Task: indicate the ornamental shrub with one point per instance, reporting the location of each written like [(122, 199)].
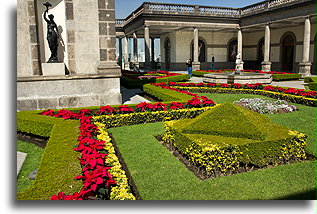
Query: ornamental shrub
[(228, 137)]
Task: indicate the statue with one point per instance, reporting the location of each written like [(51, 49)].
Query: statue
[(238, 62), (52, 34)]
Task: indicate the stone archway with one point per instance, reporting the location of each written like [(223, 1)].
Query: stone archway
[(232, 50), (201, 50), (287, 53), (260, 53), (167, 48)]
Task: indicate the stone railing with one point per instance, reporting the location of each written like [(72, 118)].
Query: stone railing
[(261, 6), (219, 11), (191, 9), (120, 22), (182, 9), (170, 8), (275, 3)]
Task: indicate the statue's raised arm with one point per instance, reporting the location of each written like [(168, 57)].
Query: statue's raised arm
[(44, 15)]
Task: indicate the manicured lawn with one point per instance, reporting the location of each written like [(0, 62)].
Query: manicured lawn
[(303, 120), (158, 175), (31, 163)]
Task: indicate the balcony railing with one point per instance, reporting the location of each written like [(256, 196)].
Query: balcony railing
[(182, 9)]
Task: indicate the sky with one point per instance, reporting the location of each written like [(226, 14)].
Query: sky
[(126, 7)]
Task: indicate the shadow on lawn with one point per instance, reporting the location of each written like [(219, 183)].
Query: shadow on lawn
[(309, 195)]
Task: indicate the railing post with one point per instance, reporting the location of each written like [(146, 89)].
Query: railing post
[(146, 7), (267, 5), (196, 9)]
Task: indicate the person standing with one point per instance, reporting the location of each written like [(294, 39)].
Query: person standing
[(212, 62), (189, 67)]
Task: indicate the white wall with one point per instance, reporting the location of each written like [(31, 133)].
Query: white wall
[(185, 38), (24, 61), (181, 41), (86, 28), (58, 10)]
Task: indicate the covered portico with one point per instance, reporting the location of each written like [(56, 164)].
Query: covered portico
[(261, 34)]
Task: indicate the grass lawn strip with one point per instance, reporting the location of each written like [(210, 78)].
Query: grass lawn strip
[(160, 176), (31, 163)]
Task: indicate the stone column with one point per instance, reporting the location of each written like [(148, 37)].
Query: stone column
[(120, 53), (135, 50), (196, 63), (305, 65), (107, 39), (266, 64), (147, 46), (126, 54), (152, 53), (239, 61)]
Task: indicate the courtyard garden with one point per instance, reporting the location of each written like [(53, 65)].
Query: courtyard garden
[(195, 141), (277, 76)]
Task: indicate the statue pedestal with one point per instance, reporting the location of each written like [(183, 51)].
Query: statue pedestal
[(304, 69), (196, 66), (266, 66), (53, 69)]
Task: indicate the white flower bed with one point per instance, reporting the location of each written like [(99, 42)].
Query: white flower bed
[(266, 106)]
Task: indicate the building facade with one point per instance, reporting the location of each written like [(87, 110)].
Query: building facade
[(277, 35), (86, 73)]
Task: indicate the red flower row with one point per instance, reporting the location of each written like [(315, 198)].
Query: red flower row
[(293, 91), (196, 101), (95, 173), (259, 86)]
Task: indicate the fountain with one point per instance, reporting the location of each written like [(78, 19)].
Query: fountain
[(238, 76)]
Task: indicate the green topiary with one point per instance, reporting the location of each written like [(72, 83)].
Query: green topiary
[(231, 121), (228, 136)]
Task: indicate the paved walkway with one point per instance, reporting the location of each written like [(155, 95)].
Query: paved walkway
[(130, 96), (20, 160)]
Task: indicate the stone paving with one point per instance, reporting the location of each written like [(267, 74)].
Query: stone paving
[(20, 160)]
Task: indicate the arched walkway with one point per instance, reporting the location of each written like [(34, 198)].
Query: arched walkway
[(288, 45)]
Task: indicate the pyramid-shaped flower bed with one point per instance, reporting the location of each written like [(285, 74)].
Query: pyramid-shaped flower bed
[(229, 138)]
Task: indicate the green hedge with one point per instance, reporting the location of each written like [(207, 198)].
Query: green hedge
[(281, 77), (310, 79), (312, 86), (166, 95), (59, 163), (119, 120), (200, 73), (218, 152), (138, 83)]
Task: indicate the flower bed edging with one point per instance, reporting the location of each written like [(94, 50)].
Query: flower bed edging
[(97, 178)]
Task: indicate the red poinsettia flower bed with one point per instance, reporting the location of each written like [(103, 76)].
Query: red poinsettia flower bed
[(95, 174), (204, 101)]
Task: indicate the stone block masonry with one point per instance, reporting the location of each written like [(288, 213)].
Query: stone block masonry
[(67, 91)]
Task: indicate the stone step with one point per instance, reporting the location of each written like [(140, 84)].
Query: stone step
[(21, 156)]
